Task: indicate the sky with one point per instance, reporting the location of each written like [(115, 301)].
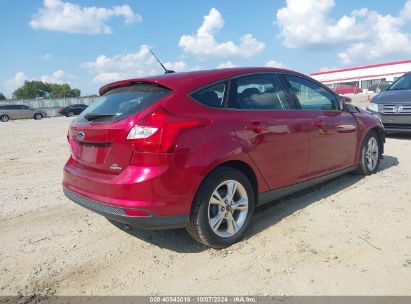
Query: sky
[(88, 43)]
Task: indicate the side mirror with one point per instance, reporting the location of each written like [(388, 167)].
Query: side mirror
[(347, 105)]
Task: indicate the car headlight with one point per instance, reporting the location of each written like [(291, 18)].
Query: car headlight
[(373, 107)]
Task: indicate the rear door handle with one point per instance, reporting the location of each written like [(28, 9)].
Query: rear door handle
[(319, 123), (255, 126)]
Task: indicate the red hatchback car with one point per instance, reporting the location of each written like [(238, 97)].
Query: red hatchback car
[(202, 149)]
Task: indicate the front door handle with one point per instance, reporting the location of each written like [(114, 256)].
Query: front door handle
[(346, 128)]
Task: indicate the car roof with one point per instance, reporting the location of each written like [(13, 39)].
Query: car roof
[(188, 81)]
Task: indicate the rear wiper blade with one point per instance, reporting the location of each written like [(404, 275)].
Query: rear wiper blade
[(91, 117)]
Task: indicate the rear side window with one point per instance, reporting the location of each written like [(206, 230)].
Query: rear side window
[(123, 102), (260, 92), (310, 95), (212, 97)]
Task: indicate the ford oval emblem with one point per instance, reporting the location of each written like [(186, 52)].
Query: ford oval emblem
[(81, 135)]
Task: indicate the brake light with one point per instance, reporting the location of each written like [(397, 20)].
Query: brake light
[(158, 131)]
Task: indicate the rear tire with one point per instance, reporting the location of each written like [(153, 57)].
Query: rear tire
[(38, 116), (222, 208), (370, 154), (70, 114), (4, 118)]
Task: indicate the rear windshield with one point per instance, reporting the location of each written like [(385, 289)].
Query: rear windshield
[(123, 102)]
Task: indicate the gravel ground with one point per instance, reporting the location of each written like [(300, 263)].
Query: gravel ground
[(351, 236)]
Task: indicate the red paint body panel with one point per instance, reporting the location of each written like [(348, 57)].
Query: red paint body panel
[(333, 142), (280, 147)]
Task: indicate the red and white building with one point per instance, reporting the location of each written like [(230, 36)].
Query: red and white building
[(364, 76)]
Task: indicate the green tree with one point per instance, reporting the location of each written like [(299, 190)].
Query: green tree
[(2, 97), (31, 89), (63, 90), (39, 89)]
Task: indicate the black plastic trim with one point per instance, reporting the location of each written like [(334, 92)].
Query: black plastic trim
[(116, 214), (269, 196)]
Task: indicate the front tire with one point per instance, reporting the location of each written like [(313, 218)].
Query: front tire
[(370, 154), (222, 208), (4, 118)]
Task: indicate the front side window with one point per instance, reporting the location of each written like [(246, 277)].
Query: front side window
[(310, 95), (259, 92), (213, 96)]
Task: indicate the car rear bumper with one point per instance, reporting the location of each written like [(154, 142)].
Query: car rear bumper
[(118, 214), (163, 191)]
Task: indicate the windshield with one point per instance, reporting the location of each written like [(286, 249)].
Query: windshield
[(403, 83), (123, 102)]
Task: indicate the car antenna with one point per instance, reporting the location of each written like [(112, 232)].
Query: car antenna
[(166, 71)]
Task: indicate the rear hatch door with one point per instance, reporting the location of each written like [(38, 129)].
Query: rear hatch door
[(98, 136)]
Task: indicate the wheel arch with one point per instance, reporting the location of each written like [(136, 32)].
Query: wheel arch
[(381, 136), (245, 168)]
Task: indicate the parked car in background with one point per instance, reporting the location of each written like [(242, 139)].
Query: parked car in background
[(393, 105), (16, 111), (72, 110), (347, 89), (202, 149), (379, 87)]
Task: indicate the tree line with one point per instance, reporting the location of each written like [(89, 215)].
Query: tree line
[(38, 89)]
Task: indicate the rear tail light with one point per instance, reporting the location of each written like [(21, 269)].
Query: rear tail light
[(158, 131)]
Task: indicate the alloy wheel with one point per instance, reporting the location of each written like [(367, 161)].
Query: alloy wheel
[(228, 208), (372, 154)]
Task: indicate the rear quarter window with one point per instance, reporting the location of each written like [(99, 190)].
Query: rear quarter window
[(213, 96), (123, 102)]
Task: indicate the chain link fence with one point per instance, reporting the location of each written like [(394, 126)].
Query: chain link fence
[(51, 106)]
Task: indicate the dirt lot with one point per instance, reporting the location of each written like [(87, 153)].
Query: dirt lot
[(351, 236)]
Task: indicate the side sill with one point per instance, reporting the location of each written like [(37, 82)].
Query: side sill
[(269, 196)]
